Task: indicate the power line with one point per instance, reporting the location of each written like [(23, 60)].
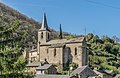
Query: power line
[(94, 2)]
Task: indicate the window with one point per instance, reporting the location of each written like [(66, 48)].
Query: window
[(75, 51), (41, 35), (47, 51), (54, 52), (48, 35)]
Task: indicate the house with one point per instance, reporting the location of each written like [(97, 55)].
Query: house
[(46, 69), (32, 55), (83, 72)]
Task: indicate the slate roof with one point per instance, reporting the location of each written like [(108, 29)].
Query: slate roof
[(46, 66), (65, 41), (81, 69), (51, 76), (103, 72), (57, 45), (34, 64), (44, 23)]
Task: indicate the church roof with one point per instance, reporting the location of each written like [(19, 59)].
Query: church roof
[(44, 23), (57, 45), (65, 41)]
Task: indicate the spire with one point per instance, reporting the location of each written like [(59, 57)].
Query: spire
[(61, 35), (44, 23)]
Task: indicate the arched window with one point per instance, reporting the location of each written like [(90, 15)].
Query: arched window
[(41, 35), (54, 52), (47, 51), (75, 51)]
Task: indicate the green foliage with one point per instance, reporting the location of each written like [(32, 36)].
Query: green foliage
[(74, 65), (104, 52), (17, 75), (11, 42), (26, 24), (64, 72), (108, 67)]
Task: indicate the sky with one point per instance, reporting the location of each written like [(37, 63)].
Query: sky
[(100, 17)]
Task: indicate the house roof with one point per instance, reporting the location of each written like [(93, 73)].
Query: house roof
[(35, 64), (78, 70), (51, 76), (103, 72), (81, 69), (46, 66)]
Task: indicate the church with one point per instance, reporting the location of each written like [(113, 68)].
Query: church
[(59, 52)]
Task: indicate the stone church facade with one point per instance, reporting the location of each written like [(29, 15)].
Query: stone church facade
[(59, 51)]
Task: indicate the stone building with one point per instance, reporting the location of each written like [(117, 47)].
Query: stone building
[(81, 72), (31, 67), (41, 68), (59, 52), (46, 69)]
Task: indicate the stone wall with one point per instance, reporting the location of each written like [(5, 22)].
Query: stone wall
[(32, 56), (72, 52), (78, 53), (67, 57), (52, 55), (44, 36)]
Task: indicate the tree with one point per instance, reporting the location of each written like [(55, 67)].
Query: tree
[(116, 39), (104, 53), (74, 65), (107, 39), (61, 35), (11, 60)]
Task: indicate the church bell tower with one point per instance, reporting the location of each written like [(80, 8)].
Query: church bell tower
[(44, 33)]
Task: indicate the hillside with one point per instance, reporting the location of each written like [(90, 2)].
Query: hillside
[(104, 52), (26, 24)]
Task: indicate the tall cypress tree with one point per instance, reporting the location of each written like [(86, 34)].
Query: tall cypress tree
[(11, 58), (61, 35)]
